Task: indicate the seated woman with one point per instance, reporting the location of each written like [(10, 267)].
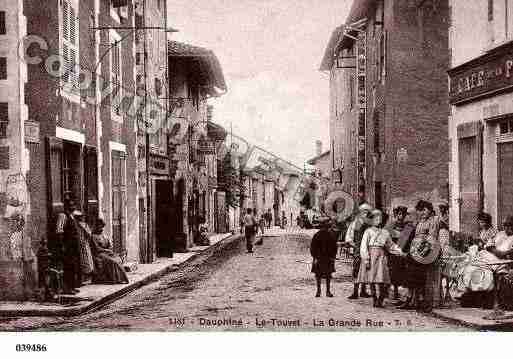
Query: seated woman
[(474, 274), (108, 270)]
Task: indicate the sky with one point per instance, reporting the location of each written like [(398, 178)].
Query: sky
[(270, 52)]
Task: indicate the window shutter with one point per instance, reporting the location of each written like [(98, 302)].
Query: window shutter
[(72, 26), (72, 68), (66, 68), (65, 20), (91, 182), (385, 44), (54, 174)]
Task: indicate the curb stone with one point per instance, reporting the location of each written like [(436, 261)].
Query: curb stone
[(112, 297)]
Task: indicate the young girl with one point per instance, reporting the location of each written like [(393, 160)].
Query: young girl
[(376, 242)]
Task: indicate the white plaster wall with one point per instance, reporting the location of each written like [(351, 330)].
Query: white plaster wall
[(478, 111)]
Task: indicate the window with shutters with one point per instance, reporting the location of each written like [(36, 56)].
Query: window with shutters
[(119, 10), (116, 76), (4, 119), (69, 49), (3, 29), (3, 68)]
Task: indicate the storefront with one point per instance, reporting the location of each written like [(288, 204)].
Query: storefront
[(481, 134)]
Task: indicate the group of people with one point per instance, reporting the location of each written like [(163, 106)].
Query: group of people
[(84, 255), (382, 255)]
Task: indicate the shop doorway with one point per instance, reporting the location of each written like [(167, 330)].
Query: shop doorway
[(505, 166), (164, 224)]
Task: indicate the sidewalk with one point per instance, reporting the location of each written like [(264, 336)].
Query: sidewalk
[(473, 318), (95, 295)]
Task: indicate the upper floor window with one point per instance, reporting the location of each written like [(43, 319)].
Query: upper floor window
[(3, 29), (3, 68), (119, 10), (4, 119), (69, 35), (500, 15)]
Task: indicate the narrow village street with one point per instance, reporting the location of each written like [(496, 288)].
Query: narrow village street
[(236, 290)]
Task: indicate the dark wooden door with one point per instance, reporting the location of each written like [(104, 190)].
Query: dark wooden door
[(505, 195), (163, 217)]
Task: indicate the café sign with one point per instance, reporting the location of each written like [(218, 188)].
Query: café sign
[(484, 76)]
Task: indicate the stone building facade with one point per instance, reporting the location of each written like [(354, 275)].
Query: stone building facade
[(392, 56), (480, 125)]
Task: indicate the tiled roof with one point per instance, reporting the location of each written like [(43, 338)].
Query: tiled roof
[(208, 62), (359, 10)]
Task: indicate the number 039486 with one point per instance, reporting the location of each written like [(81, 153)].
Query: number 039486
[(31, 347)]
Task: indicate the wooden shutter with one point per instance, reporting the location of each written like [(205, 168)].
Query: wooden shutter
[(470, 167), (54, 158), (118, 202), (70, 48), (91, 183)]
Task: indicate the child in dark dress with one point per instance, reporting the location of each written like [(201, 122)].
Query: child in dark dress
[(323, 250)]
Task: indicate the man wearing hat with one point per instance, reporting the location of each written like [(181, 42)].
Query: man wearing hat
[(353, 238), (68, 236)]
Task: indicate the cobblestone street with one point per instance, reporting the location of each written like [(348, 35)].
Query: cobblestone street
[(271, 289)]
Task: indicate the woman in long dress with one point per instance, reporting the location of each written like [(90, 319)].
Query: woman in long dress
[(424, 280), (374, 269), (397, 264), (108, 270), (86, 257)]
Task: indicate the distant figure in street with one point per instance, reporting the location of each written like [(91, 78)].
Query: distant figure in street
[(249, 229), (283, 220), (261, 224), (353, 239), (323, 250), (269, 218)]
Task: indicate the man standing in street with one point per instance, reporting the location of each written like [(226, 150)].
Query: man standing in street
[(68, 236), (269, 218), (249, 229)]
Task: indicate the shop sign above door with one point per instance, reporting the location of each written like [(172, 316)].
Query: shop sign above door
[(483, 76)]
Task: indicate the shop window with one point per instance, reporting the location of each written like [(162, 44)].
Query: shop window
[(3, 68), (3, 29), (4, 119)]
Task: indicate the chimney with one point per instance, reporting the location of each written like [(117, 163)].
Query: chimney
[(210, 113), (318, 148)]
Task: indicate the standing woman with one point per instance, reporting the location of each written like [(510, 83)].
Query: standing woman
[(324, 251), (397, 264), (429, 274)]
